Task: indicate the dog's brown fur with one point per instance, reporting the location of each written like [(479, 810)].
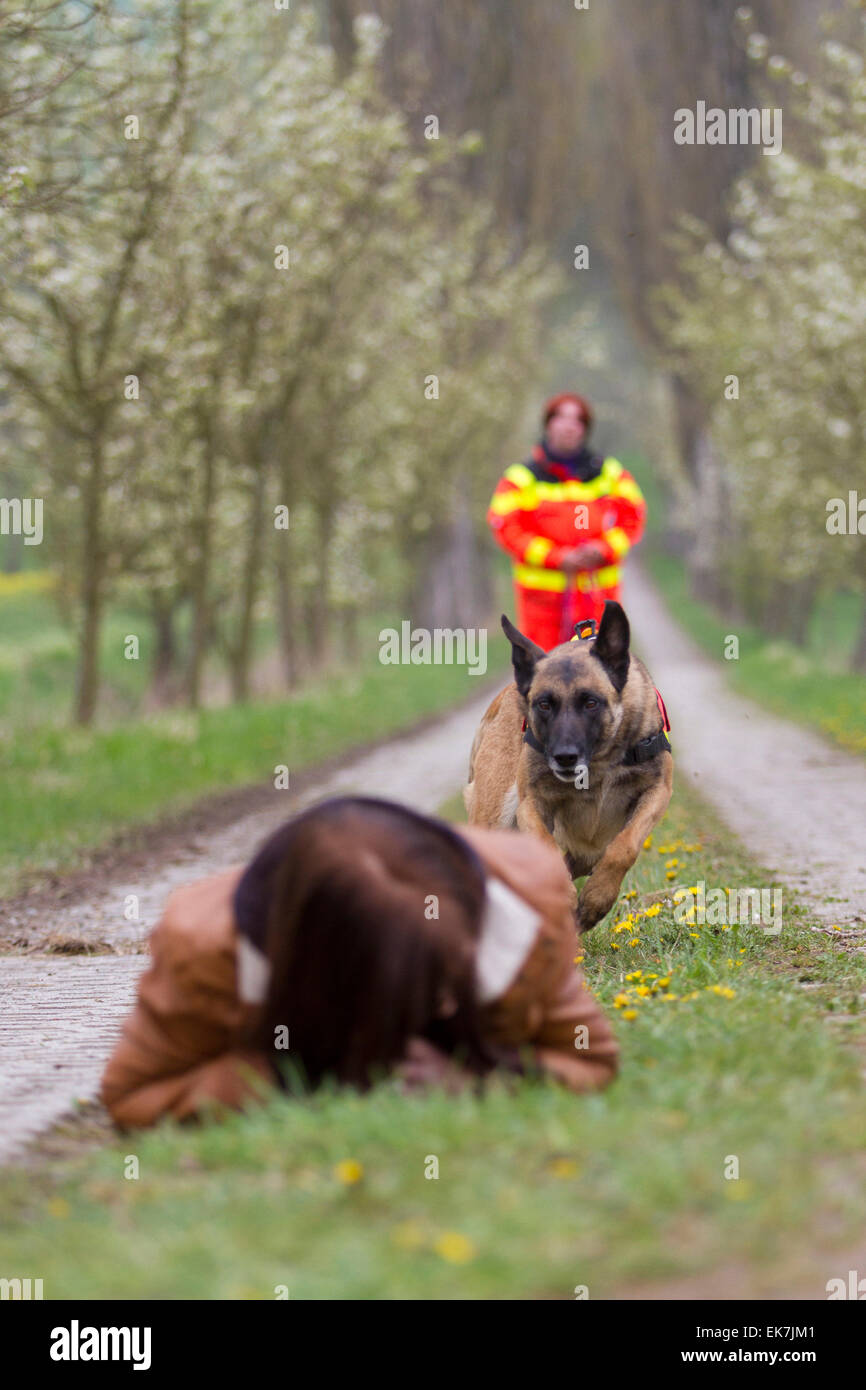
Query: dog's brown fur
[(600, 827)]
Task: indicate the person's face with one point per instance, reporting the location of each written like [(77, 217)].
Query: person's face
[(566, 428)]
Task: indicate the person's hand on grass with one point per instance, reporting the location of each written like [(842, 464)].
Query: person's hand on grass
[(425, 1066)]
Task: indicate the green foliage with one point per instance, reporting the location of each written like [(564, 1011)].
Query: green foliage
[(780, 305), (243, 307)]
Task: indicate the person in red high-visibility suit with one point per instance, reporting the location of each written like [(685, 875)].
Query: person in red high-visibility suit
[(567, 517)]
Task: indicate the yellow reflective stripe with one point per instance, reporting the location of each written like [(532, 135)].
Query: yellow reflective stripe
[(573, 490), (504, 502), (538, 550), (529, 491), (605, 578), (520, 475), (531, 578), (628, 488), (617, 540)]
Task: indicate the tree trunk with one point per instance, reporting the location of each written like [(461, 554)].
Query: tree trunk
[(800, 603), (787, 610), (165, 649), (713, 537), (320, 605), (350, 635), (201, 573), (286, 593), (858, 656), (92, 591), (12, 547), (342, 36), (241, 655)]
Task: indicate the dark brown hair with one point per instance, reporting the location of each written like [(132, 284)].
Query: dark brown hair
[(372, 914)]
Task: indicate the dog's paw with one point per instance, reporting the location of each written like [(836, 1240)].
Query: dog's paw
[(594, 903)]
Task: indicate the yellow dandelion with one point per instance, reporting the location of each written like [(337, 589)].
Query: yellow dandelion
[(696, 935), (629, 1013), (564, 1168), (454, 1248), (648, 842), (672, 864), (663, 984), (578, 960), (642, 990), (738, 1191), (349, 1171), (620, 1001), (653, 911), (632, 893), (407, 1236)]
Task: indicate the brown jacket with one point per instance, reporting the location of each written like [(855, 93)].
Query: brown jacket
[(179, 1052)]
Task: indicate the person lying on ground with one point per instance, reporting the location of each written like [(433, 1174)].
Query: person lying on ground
[(363, 941)]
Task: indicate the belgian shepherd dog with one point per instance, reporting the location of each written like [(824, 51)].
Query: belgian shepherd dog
[(576, 751)]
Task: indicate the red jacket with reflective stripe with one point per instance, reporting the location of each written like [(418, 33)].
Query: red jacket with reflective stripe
[(535, 516)]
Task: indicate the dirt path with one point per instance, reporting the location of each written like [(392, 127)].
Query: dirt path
[(797, 803), (60, 1014)]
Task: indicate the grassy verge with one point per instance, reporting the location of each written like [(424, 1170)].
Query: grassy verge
[(751, 1051), (808, 684), (67, 790)]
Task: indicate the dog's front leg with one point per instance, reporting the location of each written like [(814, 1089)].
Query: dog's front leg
[(529, 820), (600, 891)]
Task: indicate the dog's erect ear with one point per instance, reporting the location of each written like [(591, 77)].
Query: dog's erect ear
[(524, 656), (611, 644)]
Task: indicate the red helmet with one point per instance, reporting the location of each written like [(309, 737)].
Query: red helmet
[(551, 407)]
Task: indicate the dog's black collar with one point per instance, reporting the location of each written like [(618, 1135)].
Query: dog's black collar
[(640, 752), (529, 737), (646, 748)]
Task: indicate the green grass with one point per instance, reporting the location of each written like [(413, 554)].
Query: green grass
[(545, 1190), (66, 790), (38, 663), (809, 685)]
